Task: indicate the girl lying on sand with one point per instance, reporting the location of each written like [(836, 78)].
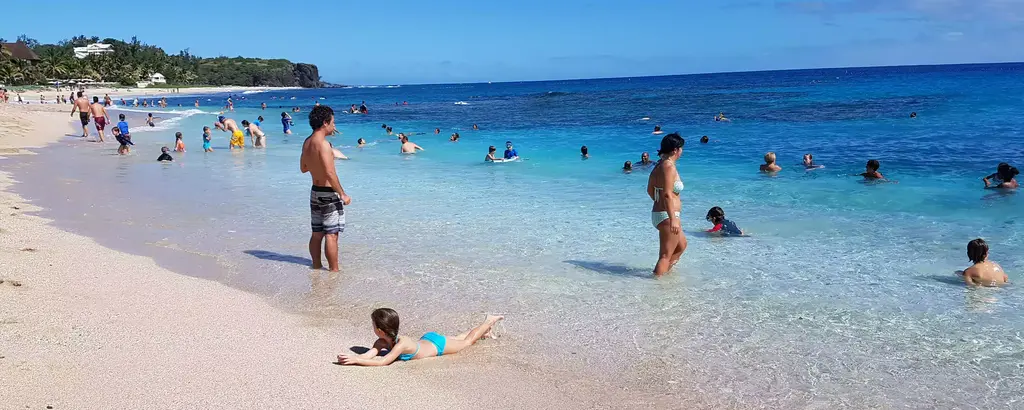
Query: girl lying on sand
[(385, 326)]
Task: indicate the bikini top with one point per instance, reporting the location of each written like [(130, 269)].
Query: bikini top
[(407, 356), (677, 187)]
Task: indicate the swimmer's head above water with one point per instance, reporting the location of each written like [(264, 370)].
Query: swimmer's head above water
[(645, 157), (977, 250), (808, 160), (704, 139), (628, 166)]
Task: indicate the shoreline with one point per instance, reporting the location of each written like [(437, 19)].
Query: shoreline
[(32, 97), (95, 323)]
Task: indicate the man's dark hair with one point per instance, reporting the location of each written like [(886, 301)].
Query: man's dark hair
[(319, 117), (95, 99), (121, 117), (80, 94)]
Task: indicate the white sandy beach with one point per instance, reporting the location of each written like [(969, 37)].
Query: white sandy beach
[(50, 95), (86, 327)]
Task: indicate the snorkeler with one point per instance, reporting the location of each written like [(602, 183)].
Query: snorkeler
[(983, 272), (385, 327), (769, 165), (663, 187)]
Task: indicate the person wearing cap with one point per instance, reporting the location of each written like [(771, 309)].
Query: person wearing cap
[(510, 153), (229, 125)]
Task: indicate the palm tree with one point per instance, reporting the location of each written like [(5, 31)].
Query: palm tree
[(54, 62), (10, 73)]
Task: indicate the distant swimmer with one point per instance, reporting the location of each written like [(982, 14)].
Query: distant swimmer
[(437, 131), (663, 187), (286, 123), (197, 103), (363, 109), (263, 105), (1003, 178), (983, 272), (383, 126), (913, 115), (327, 199), (164, 155), (401, 348), (627, 167), (409, 147), (388, 130), (645, 160), (769, 165), (809, 162), (256, 136), (361, 143), (721, 117), (871, 171), (99, 116), (229, 125), (704, 139), (475, 128), (296, 109), (454, 137), (657, 130), (510, 152), (353, 110), (722, 226), (584, 152)]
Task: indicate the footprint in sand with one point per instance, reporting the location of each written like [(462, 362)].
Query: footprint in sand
[(29, 250)]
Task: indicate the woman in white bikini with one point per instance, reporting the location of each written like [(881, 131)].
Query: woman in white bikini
[(664, 186)]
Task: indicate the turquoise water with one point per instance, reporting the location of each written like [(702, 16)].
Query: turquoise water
[(843, 295)]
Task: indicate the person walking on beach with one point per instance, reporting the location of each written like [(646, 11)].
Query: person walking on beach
[(99, 116), (82, 106), (664, 186), (327, 199)]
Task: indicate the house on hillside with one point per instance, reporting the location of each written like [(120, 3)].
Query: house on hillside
[(157, 79), (20, 51), (93, 49)]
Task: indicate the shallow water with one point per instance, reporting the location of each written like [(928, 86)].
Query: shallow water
[(843, 295)]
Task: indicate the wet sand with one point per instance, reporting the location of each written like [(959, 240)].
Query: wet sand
[(86, 327)]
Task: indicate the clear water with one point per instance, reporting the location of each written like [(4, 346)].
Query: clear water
[(843, 295)]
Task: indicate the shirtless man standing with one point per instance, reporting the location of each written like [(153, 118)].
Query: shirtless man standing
[(327, 199), (409, 147), (99, 116), (82, 106)]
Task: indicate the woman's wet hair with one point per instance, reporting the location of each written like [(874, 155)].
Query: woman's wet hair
[(386, 319), (873, 164), (769, 158), (977, 250), (670, 143), (715, 214)]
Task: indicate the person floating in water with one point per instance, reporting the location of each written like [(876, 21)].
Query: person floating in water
[(164, 156), (769, 165), (722, 226), (510, 152), (263, 105), (657, 130), (913, 115), (627, 167), (399, 348), (207, 139), (1003, 178), (361, 142), (454, 138), (584, 152), (809, 162), (663, 187), (179, 145), (721, 117), (437, 131), (871, 171), (704, 139), (475, 128), (645, 160), (983, 272), (409, 147)]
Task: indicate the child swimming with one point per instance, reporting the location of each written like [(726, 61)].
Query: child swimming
[(983, 272), (179, 145), (723, 226), (385, 327), (809, 162)]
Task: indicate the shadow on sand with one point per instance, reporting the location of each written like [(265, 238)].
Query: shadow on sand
[(278, 257), (611, 269)]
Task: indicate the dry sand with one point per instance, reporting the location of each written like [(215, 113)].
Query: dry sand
[(87, 327)]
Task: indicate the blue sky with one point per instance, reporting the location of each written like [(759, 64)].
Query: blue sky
[(441, 41)]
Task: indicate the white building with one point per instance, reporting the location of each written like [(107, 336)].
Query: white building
[(93, 49), (157, 79)]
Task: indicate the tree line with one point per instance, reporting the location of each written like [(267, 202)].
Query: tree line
[(134, 61)]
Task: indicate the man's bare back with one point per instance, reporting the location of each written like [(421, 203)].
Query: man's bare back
[(82, 104), (98, 111)]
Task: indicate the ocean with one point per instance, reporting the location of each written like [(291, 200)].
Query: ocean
[(844, 293)]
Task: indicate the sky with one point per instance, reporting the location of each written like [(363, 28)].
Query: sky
[(447, 41)]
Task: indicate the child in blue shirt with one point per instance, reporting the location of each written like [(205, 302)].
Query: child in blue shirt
[(723, 226)]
